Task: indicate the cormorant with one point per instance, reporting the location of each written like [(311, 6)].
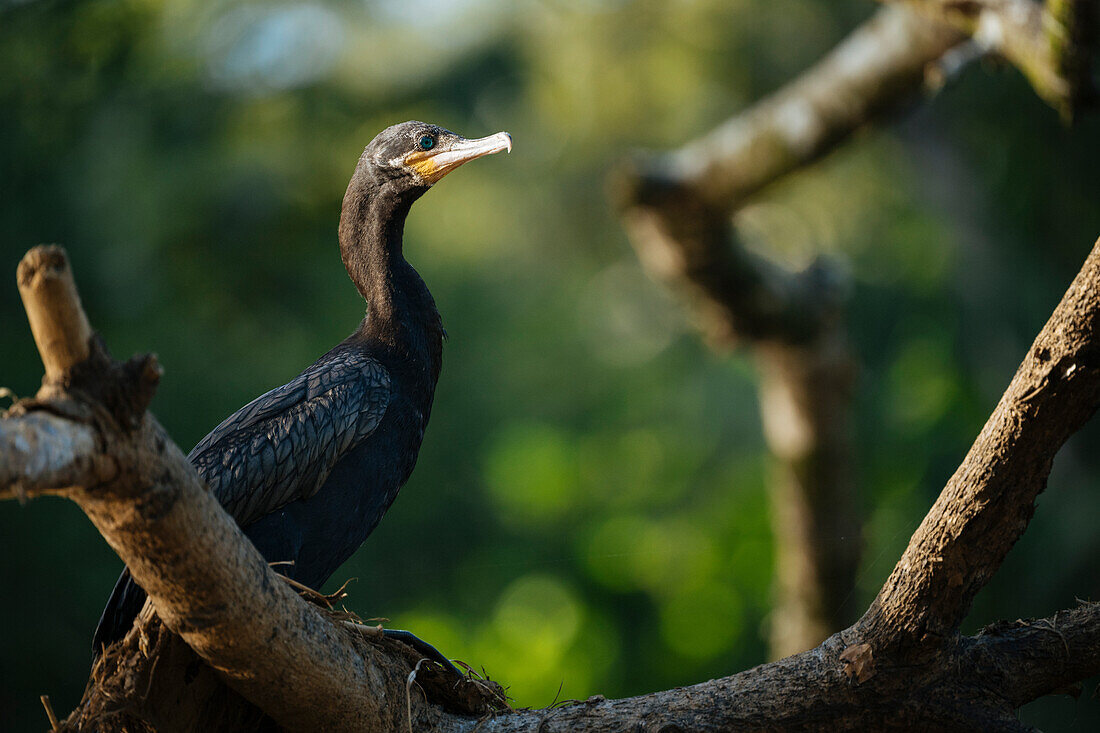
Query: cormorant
[(308, 469)]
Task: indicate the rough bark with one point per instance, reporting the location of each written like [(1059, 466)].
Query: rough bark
[(903, 666), (974, 687), (153, 681), (988, 502)]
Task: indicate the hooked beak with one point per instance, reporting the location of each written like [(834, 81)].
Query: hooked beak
[(431, 165)]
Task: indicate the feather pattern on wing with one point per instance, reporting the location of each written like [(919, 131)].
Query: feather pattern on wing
[(281, 446)]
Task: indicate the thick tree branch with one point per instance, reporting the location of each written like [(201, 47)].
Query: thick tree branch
[(903, 665), (975, 686), (210, 585), (1025, 660), (205, 579), (988, 503), (1050, 43)]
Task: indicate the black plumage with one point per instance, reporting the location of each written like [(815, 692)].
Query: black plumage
[(308, 469)]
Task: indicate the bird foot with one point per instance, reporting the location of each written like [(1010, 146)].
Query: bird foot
[(422, 647)]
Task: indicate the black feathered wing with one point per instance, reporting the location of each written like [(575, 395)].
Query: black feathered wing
[(278, 448), (281, 446)]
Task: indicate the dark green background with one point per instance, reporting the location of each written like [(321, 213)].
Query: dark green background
[(589, 508)]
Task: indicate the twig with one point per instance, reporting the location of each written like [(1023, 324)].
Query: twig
[(55, 724), (408, 691), (372, 631)]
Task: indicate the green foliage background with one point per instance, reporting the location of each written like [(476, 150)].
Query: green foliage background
[(589, 510)]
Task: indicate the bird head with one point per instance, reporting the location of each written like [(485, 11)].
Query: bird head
[(418, 154)]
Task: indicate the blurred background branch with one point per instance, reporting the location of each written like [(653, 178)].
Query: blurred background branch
[(676, 209), (877, 67), (1050, 42)]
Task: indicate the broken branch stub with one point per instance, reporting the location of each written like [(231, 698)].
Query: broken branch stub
[(60, 328)]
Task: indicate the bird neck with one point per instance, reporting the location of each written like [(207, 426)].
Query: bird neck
[(400, 310)]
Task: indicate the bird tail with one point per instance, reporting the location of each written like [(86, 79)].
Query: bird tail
[(122, 608)]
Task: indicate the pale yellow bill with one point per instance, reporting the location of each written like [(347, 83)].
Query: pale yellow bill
[(431, 165)]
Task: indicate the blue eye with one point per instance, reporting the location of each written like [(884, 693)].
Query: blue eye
[(427, 142)]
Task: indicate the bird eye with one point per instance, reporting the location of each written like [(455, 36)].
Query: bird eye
[(427, 142)]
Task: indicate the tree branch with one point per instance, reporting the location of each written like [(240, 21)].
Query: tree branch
[(1050, 43), (988, 503), (1025, 660), (676, 208), (879, 66), (902, 665), (205, 579)]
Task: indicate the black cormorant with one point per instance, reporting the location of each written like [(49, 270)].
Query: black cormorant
[(308, 469)]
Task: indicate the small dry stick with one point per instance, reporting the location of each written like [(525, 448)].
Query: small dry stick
[(408, 692), (55, 725), (372, 631)]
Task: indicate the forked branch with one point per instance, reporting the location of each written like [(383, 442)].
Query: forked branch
[(676, 208)]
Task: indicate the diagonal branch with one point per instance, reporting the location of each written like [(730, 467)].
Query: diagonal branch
[(988, 503), (89, 439), (902, 666), (878, 67)]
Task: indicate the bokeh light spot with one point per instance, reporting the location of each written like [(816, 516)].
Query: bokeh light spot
[(532, 473)]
